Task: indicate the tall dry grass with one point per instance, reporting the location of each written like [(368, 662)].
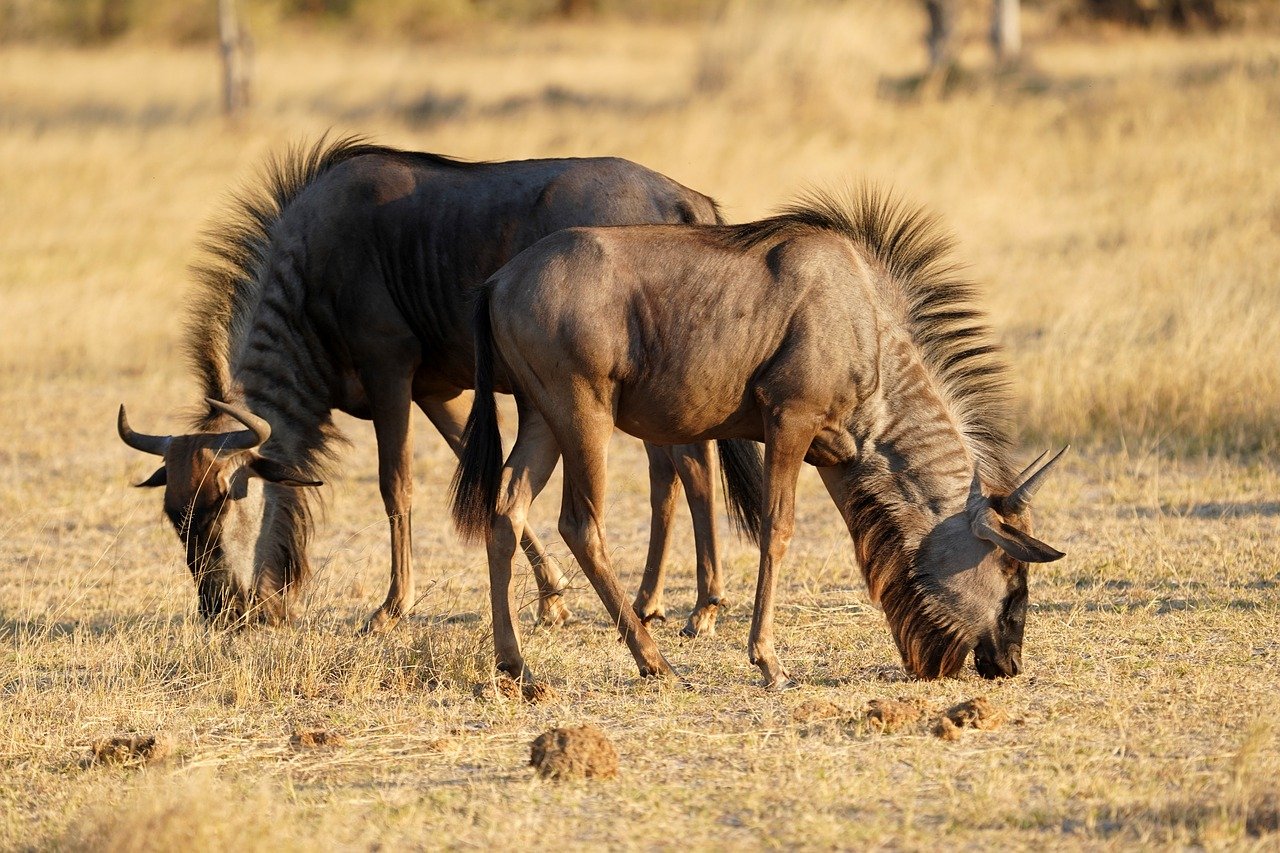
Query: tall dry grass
[(1115, 199)]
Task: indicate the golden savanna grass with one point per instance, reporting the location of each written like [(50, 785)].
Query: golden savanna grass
[(1117, 199)]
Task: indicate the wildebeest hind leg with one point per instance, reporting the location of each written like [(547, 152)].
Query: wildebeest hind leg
[(523, 477), (449, 416), (584, 444)]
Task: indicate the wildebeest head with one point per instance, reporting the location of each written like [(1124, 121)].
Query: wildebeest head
[(972, 572), (213, 497)]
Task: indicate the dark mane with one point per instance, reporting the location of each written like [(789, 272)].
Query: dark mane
[(942, 316), (228, 286), (233, 251), (950, 333), (929, 645)]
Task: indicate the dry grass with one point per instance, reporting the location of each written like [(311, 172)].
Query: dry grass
[(1118, 200)]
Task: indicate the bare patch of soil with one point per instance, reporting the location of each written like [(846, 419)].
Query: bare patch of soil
[(583, 752)]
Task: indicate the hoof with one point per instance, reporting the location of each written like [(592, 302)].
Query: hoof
[(663, 672), (553, 612), (655, 616), (702, 623), (516, 671), (781, 685), (381, 621)]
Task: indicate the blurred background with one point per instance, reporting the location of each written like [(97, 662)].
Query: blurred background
[(1108, 166)]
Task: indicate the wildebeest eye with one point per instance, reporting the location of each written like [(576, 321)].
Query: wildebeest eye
[(1014, 612)]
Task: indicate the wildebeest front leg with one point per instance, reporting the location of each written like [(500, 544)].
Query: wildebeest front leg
[(449, 416), (664, 488), (696, 466), (783, 455), (523, 477), (389, 397), (582, 526), (669, 467)]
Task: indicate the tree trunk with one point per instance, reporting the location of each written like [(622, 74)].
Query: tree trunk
[(236, 49), (941, 36), (1006, 30)]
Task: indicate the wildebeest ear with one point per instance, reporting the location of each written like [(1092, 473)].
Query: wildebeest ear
[(279, 473), (159, 478), (1019, 545)]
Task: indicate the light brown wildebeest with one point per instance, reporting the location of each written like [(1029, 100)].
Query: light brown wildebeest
[(346, 283), (837, 334)]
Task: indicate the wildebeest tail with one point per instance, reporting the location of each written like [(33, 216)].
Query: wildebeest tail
[(742, 471), (474, 490)]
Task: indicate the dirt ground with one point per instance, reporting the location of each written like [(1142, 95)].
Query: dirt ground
[(1120, 209)]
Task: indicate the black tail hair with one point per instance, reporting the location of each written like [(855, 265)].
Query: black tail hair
[(742, 471), (474, 489)]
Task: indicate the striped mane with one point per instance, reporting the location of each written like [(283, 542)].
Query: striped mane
[(233, 253), (956, 347), (228, 286), (942, 317)]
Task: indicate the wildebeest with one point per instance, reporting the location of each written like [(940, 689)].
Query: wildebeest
[(346, 283), (839, 334)]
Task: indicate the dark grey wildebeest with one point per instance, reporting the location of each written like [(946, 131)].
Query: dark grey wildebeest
[(836, 333), (347, 284)]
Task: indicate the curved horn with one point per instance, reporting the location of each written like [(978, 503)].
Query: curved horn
[(256, 434), (1026, 472), (1020, 498), (153, 444)]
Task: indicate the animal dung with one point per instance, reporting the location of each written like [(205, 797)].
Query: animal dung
[(128, 750), (538, 693), (817, 710), (582, 752), (316, 739), (535, 693), (977, 713), (891, 715), (946, 729)]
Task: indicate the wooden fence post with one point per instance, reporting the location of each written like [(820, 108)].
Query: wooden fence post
[(236, 50), (940, 37), (1006, 30)]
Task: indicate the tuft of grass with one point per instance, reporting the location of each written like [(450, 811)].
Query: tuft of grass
[(196, 811)]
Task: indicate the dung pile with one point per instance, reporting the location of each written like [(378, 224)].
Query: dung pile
[(503, 687), (316, 739), (894, 715), (583, 752), (977, 713), (127, 751), (817, 710)]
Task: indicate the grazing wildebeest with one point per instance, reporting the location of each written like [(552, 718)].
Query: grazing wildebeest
[(347, 284), (836, 333)]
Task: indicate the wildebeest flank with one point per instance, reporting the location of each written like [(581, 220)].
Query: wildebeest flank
[(836, 333), (347, 284)]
